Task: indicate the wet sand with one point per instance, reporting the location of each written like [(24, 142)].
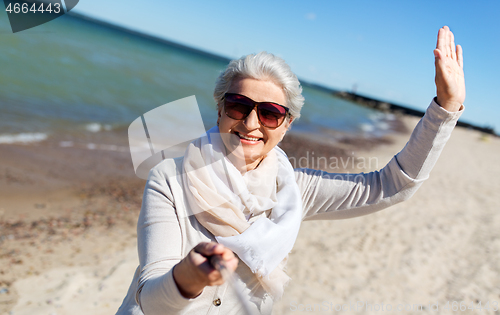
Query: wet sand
[(68, 215)]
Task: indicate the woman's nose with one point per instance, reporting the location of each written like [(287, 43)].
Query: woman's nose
[(252, 120)]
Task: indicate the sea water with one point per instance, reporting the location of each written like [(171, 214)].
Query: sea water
[(73, 76)]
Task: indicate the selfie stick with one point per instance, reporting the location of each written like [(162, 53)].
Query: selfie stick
[(220, 265)]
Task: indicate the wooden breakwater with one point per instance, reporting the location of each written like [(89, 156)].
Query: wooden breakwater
[(399, 109)]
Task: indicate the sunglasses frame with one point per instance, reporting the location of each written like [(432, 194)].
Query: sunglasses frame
[(256, 105)]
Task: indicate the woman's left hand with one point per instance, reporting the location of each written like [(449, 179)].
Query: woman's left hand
[(450, 83)]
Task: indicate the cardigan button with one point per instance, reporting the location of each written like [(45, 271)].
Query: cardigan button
[(217, 302)]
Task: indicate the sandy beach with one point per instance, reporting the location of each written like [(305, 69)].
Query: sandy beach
[(68, 236)]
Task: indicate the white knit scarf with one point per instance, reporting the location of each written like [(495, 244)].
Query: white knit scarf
[(223, 199)]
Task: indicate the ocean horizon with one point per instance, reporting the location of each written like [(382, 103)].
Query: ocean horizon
[(81, 76)]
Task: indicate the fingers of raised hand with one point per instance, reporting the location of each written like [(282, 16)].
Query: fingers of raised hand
[(451, 43), (460, 56), (446, 43), (441, 41)]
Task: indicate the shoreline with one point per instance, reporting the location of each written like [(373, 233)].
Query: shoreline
[(388, 107)]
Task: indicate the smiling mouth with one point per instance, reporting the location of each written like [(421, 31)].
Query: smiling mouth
[(249, 138)]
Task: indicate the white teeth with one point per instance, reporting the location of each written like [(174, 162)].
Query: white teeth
[(248, 138)]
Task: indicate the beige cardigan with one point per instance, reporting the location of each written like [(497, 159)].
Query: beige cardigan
[(166, 233)]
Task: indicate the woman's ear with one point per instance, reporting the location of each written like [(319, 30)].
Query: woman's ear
[(290, 120)]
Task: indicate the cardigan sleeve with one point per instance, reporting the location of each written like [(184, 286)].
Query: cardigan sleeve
[(160, 248), (331, 196)]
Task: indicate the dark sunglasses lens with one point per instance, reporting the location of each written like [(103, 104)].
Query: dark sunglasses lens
[(271, 115), (237, 107)]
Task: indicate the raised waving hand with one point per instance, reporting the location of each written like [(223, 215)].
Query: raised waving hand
[(450, 83)]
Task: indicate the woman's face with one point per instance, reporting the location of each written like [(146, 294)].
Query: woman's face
[(263, 138)]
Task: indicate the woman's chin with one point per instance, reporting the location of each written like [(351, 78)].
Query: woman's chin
[(243, 156), (243, 152)]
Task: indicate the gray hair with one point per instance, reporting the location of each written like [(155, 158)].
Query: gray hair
[(262, 66)]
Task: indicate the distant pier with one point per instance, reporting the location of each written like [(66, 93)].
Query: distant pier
[(399, 109)]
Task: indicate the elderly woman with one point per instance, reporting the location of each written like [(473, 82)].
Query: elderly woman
[(235, 194)]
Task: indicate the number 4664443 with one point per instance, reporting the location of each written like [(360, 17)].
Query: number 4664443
[(26, 8)]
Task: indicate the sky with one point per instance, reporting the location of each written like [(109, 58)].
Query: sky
[(383, 49)]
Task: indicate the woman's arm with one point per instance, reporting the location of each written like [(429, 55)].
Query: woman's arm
[(160, 248), (339, 196), (330, 196), (168, 282)]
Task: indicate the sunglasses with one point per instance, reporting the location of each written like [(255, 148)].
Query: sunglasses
[(238, 107)]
